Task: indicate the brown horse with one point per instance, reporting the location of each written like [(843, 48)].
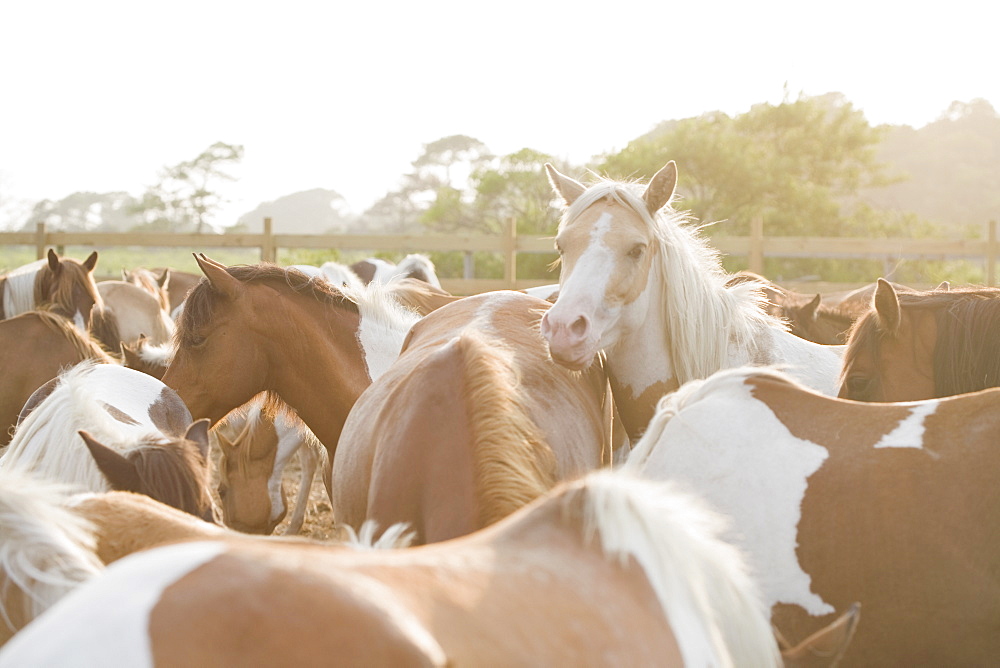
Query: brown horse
[(918, 345), (608, 570), (834, 502), (61, 285), (251, 329), (103, 427), (473, 421), (34, 347)]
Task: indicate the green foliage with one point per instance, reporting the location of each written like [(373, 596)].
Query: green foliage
[(85, 212), (187, 195)]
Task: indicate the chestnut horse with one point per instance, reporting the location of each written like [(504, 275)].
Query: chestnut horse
[(470, 423), (607, 570), (638, 282), (61, 285), (103, 426), (34, 347), (922, 344), (263, 328), (894, 506)]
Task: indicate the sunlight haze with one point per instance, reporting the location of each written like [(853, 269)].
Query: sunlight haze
[(100, 96)]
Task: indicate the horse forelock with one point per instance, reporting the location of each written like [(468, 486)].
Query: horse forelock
[(59, 288), (47, 550), (864, 337), (173, 473), (513, 462), (711, 603), (198, 306)]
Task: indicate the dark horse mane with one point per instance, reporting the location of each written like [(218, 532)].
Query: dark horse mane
[(198, 306), (967, 349), (173, 473)]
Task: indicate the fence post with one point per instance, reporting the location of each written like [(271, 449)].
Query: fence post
[(755, 259), (468, 265), (39, 240), (991, 254), (267, 250), (510, 254)]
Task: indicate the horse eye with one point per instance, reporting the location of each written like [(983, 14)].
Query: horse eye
[(858, 387), (637, 251)]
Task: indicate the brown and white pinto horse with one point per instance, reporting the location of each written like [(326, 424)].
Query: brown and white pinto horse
[(922, 344), (415, 265), (61, 285), (46, 550), (263, 328), (607, 570), (471, 422), (638, 282), (103, 427), (833, 502), (135, 312), (34, 347)]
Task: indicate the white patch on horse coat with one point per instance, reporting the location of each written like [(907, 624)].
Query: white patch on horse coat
[(19, 289), (585, 288), (758, 481), (383, 327), (910, 432), (814, 365), (106, 621)]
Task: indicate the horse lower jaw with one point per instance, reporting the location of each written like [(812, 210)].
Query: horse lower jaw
[(574, 361)]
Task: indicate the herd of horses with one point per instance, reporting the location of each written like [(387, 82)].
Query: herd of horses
[(656, 463)]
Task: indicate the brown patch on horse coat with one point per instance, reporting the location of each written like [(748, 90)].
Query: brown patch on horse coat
[(364, 270), (878, 524), (118, 414), (637, 411)]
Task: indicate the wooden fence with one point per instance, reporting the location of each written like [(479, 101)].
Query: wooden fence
[(755, 247)]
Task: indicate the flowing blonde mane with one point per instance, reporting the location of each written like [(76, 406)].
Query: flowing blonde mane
[(714, 607), (84, 345), (703, 319), (46, 550), (513, 463), (19, 288)]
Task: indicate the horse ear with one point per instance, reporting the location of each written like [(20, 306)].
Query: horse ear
[(227, 446), (118, 470), (131, 356), (886, 304), (54, 263), (163, 280), (90, 262), (564, 186), (826, 646), (198, 432), (944, 286), (126, 275), (661, 187), (813, 305), (220, 279)]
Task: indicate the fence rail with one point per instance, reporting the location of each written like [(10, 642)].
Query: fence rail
[(755, 247)]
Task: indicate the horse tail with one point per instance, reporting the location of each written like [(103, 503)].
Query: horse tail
[(712, 604), (46, 550), (513, 463)]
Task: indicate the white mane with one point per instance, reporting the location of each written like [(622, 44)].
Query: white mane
[(19, 293), (704, 319), (47, 443), (157, 354), (45, 550), (714, 608)]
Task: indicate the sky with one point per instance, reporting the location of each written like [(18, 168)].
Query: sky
[(101, 95)]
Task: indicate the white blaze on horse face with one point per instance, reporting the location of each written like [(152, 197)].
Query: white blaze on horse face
[(582, 299), (84, 629), (910, 432), (760, 488)]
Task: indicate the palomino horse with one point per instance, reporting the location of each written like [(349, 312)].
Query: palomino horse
[(472, 422), (256, 448), (918, 345), (250, 329), (607, 570), (46, 550), (34, 347), (643, 286), (103, 426), (414, 265), (834, 501), (135, 312), (61, 285)]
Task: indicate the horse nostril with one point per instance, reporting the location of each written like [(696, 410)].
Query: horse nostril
[(580, 326)]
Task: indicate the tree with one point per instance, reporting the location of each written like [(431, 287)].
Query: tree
[(187, 195), (793, 163), (85, 212)]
